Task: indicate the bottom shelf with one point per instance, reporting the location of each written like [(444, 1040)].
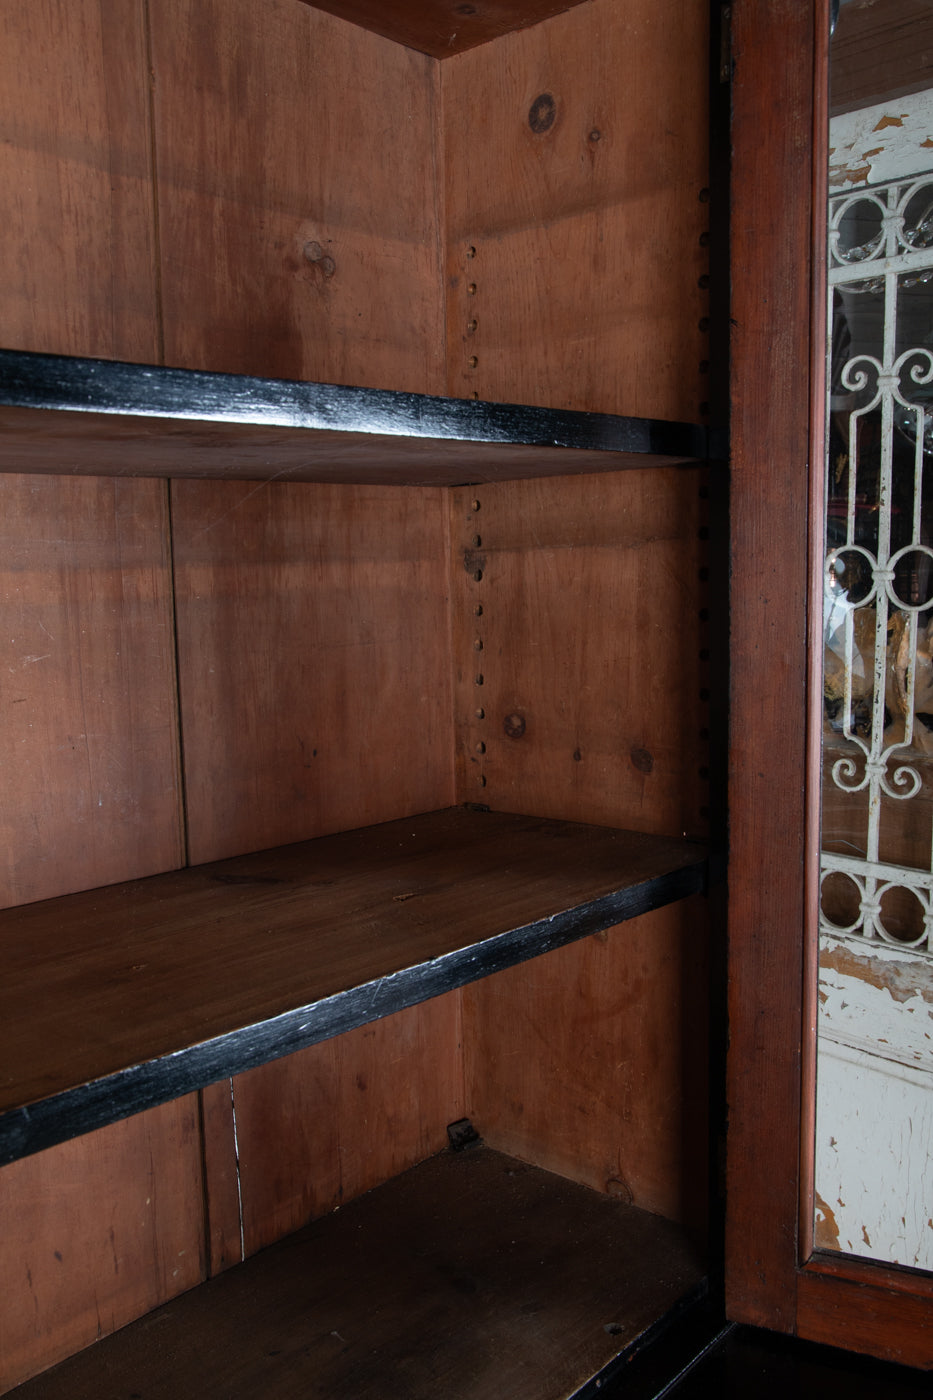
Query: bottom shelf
[(473, 1277)]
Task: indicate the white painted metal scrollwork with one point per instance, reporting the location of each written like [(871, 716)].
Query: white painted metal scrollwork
[(877, 863)]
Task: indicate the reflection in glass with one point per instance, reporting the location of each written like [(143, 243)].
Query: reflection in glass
[(874, 1138)]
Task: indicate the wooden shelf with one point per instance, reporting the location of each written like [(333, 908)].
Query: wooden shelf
[(104, 418), (116, 999), (443, 27), (473, 1276)]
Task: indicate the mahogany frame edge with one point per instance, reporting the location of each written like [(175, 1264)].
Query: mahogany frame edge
[(773, 1278)]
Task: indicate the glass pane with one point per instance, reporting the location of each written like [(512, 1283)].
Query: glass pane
[(874, 1136)]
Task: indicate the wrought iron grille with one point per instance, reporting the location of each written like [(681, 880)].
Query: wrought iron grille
[(877, 861)]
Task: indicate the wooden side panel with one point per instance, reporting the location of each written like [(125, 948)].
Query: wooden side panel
[(771, 311), (313, 649), (323, 1126), (95, 1232), (591, 1061), (76, 239), (296, 196), (580, 684), (88, 755), (579, 648), (575, 160)]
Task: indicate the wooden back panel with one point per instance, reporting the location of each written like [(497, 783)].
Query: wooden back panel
[(77, 243), (296, 185), (313, 648)]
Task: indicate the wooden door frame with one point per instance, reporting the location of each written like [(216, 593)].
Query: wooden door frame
[(773, 1277)]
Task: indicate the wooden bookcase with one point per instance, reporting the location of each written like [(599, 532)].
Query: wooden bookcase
[(354, 757)]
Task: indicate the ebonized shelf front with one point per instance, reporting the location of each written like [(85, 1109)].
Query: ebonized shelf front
[(471, 1277), (116, 999), (104, 418)]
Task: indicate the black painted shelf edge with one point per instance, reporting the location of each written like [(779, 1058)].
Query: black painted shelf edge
[(71, 384), (82, 1108)]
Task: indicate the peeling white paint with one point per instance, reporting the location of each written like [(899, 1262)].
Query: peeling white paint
[(886, 142), (874, 1156)]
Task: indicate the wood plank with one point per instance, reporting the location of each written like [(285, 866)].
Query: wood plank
[(297, 204), (169, 983), (607, 1086), (223, 1225), (862, 1312), (597, 723), (575, 154), (472, 1276), (88, 748), (320, 1127), (87, 416), (77, 260), (773, 48), (880, 52), (95, 1232), (443, 27), (313, 647)]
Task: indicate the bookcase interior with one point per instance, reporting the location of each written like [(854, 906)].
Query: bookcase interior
[(204, 666)]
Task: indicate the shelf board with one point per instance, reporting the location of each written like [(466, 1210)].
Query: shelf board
[(115, 999), (473, 1276), (443, 27), (105, 418)]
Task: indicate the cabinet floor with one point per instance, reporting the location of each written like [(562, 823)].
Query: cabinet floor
[(473, 1276)]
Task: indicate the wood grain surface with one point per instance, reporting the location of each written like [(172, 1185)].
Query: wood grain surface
[(473, 1276), (77, 238), (591, 1062), (443, 27), (320, 1127), (596, 723), (296, 184), (575, 156), (96, 1231), (771, 455), (88, 744), (162, 985), (313, 653)]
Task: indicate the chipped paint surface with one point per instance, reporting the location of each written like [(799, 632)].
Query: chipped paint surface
[(874, 1128), (885, 142), (874, 1156), (878, 999)]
